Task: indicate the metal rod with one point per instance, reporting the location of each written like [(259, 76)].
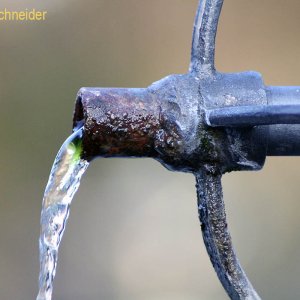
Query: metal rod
[(283, 95), (216, 235), (204, 34), (253, 115), (284, 140)]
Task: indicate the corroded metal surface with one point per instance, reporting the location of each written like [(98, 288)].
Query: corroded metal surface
[(216, 235), (204, 34), (117, 122)]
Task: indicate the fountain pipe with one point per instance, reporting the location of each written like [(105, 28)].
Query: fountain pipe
[(117, 122), (204, 122), (164, 123)]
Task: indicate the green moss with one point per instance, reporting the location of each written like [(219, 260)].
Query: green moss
[(76, 148), (206, 144)]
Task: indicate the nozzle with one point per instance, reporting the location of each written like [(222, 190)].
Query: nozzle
[(117, 122)]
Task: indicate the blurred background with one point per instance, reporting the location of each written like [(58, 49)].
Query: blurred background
[(133, 231)]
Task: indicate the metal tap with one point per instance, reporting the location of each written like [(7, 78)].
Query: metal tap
[(204, 122)]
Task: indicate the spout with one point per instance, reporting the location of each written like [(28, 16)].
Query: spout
[(151, 122), (165, 121), (117, 122)]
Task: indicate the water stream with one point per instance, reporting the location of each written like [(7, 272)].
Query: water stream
[(63, 183)]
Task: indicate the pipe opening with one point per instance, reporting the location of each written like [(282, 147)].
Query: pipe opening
[(78, 118)]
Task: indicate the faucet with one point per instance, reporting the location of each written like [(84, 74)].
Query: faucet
[(203, 122)]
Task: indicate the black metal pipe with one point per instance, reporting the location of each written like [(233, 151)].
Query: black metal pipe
[(282, 107), (284, 140), (281, 113), (239, 116), (283, 95)]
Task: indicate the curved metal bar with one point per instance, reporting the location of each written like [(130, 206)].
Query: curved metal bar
[(216, 236), (253, 115), (205, 29)]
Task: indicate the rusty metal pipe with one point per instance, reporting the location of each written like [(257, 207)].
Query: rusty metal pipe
[(147, 122), (117, 122)]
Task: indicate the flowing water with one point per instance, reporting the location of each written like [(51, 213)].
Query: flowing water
[(63, 183)]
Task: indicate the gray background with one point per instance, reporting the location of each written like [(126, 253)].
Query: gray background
[(133, 232)]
